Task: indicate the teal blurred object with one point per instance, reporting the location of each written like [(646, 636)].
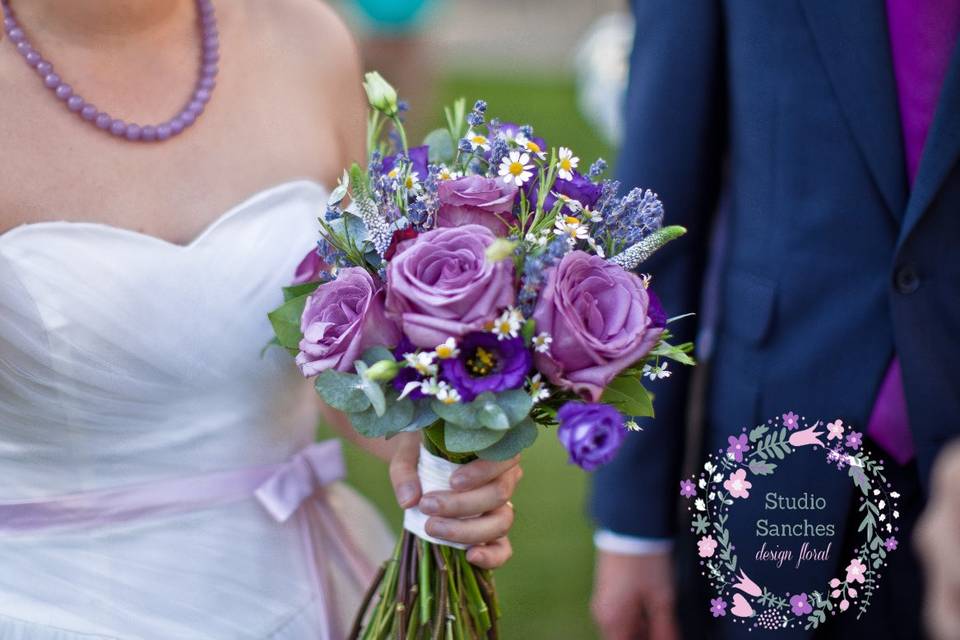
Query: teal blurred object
[(394, 15)]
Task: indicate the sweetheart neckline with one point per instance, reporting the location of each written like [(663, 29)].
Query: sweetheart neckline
[(218, 221)]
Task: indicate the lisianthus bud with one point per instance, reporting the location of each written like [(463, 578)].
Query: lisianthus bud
[(383, 370), (500, 249), (381, 94)]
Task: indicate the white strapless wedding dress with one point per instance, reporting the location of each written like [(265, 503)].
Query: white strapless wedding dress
[(158, 479)]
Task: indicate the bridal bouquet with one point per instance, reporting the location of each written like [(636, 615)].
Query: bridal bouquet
[(479, 289)]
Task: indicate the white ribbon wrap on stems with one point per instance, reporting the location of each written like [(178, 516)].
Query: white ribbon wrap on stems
[(435, 473)]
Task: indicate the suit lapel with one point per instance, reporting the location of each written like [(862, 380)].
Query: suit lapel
[(854, 46), (940, 150)]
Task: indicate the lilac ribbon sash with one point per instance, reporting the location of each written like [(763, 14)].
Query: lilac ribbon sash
[(296, 487)]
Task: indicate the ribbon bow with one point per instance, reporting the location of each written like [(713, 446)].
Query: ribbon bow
[(295, 480)]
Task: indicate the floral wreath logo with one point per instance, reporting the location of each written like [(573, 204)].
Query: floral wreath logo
[(725, 477)]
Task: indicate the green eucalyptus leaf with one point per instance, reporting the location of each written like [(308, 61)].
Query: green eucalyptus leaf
[(491, 416), (423, 416), (460, 440), (441, 146), (286, 322), (370, 389), (629, 396), (464, 415), (397, 416), (516, 403), (342, 391), (376, 354), (517, 439)]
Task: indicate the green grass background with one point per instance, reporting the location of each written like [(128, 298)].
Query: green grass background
[(545, 589)]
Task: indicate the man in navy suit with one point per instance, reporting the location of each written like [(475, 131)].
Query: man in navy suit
[(830, 129)]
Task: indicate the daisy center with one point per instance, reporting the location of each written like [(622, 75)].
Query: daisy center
[(516, 168)]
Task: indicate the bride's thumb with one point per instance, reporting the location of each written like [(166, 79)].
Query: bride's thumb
[(403, 471)]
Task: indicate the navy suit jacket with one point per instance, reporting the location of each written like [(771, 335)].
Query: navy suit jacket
[(832, 263)]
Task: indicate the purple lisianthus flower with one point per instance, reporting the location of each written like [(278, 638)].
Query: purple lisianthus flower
[(738, 446), (486, 364), (854, 440), (590, 432), (511, 130), (658, 317), (419, 159), (582, 189), (800, 604), (718, 607), (890, 544), (406, 374), (687, 488)]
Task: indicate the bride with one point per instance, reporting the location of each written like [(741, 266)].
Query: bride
[(158, 477)]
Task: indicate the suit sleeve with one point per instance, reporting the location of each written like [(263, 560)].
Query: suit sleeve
[(673, 145)]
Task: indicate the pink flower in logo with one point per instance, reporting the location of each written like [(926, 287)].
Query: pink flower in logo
[(791, 420), (737, 484), (854, 440), (706, 546), (890, 544), (800, 604), (808, 436), (836, 430), (855, 571), (687, 488), (747, 585)]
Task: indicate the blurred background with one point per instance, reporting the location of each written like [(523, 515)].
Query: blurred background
[(524, 59)]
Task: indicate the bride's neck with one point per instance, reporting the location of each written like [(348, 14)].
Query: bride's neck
[(95, 20)]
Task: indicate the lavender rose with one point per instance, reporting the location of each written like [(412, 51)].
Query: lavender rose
[(441, 285), (476, 200), (341, 320), (598, 316), (591, 433)]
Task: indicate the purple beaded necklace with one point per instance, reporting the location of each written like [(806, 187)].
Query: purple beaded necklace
[(101, 119)]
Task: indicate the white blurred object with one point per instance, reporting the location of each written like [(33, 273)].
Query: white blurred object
[(602, 65)]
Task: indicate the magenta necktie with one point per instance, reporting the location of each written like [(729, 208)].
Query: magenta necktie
[(922, 38)]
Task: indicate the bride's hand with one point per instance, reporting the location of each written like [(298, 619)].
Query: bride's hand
[(481, 493)]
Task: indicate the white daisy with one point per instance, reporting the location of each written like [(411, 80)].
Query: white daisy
[(632, 425), (477, 140), (432, 386), (529, 145), (538, 389), (542, 342), (539, 240), (446, 174), (516, 168), (572, 227), (447, 394), (595, 216), (597, 249), (447, 350), (658, 372), (508, 324), (422, 362), (572, 204), (566, 163), (412, 181)]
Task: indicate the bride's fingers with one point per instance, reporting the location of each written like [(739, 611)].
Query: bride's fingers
[(480, 472), (451, 504), (492, 555), (403, 470), (486, 528)]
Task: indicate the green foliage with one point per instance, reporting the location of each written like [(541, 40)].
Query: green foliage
[(342, 391), (285, 320), (462, 440), (297, 290), (629, 396), (516, 440), (398, 415)]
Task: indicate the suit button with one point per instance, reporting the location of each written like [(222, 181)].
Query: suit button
[(906, 279)]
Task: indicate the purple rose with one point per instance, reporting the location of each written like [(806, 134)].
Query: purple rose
[(487, 363), (476, 200), (310, 268), (591, 432), (341, 320), (441, 284), (598, 316)]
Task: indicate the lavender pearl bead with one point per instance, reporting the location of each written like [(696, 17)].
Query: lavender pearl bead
[(104, 121), (176, 126), (24, 48), (9, 23), (210, 69), (163, 132), (89, 112), (133, 132), (64, 91), (207, 83), (118, 128), (201, 95), (148, 133), (75, 103), (16, 34), (44, 68), (52, 80), (188, 117), (33, 58)]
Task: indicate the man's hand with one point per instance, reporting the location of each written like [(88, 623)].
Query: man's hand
[(937, 540), (633, 597), (477, 512)]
